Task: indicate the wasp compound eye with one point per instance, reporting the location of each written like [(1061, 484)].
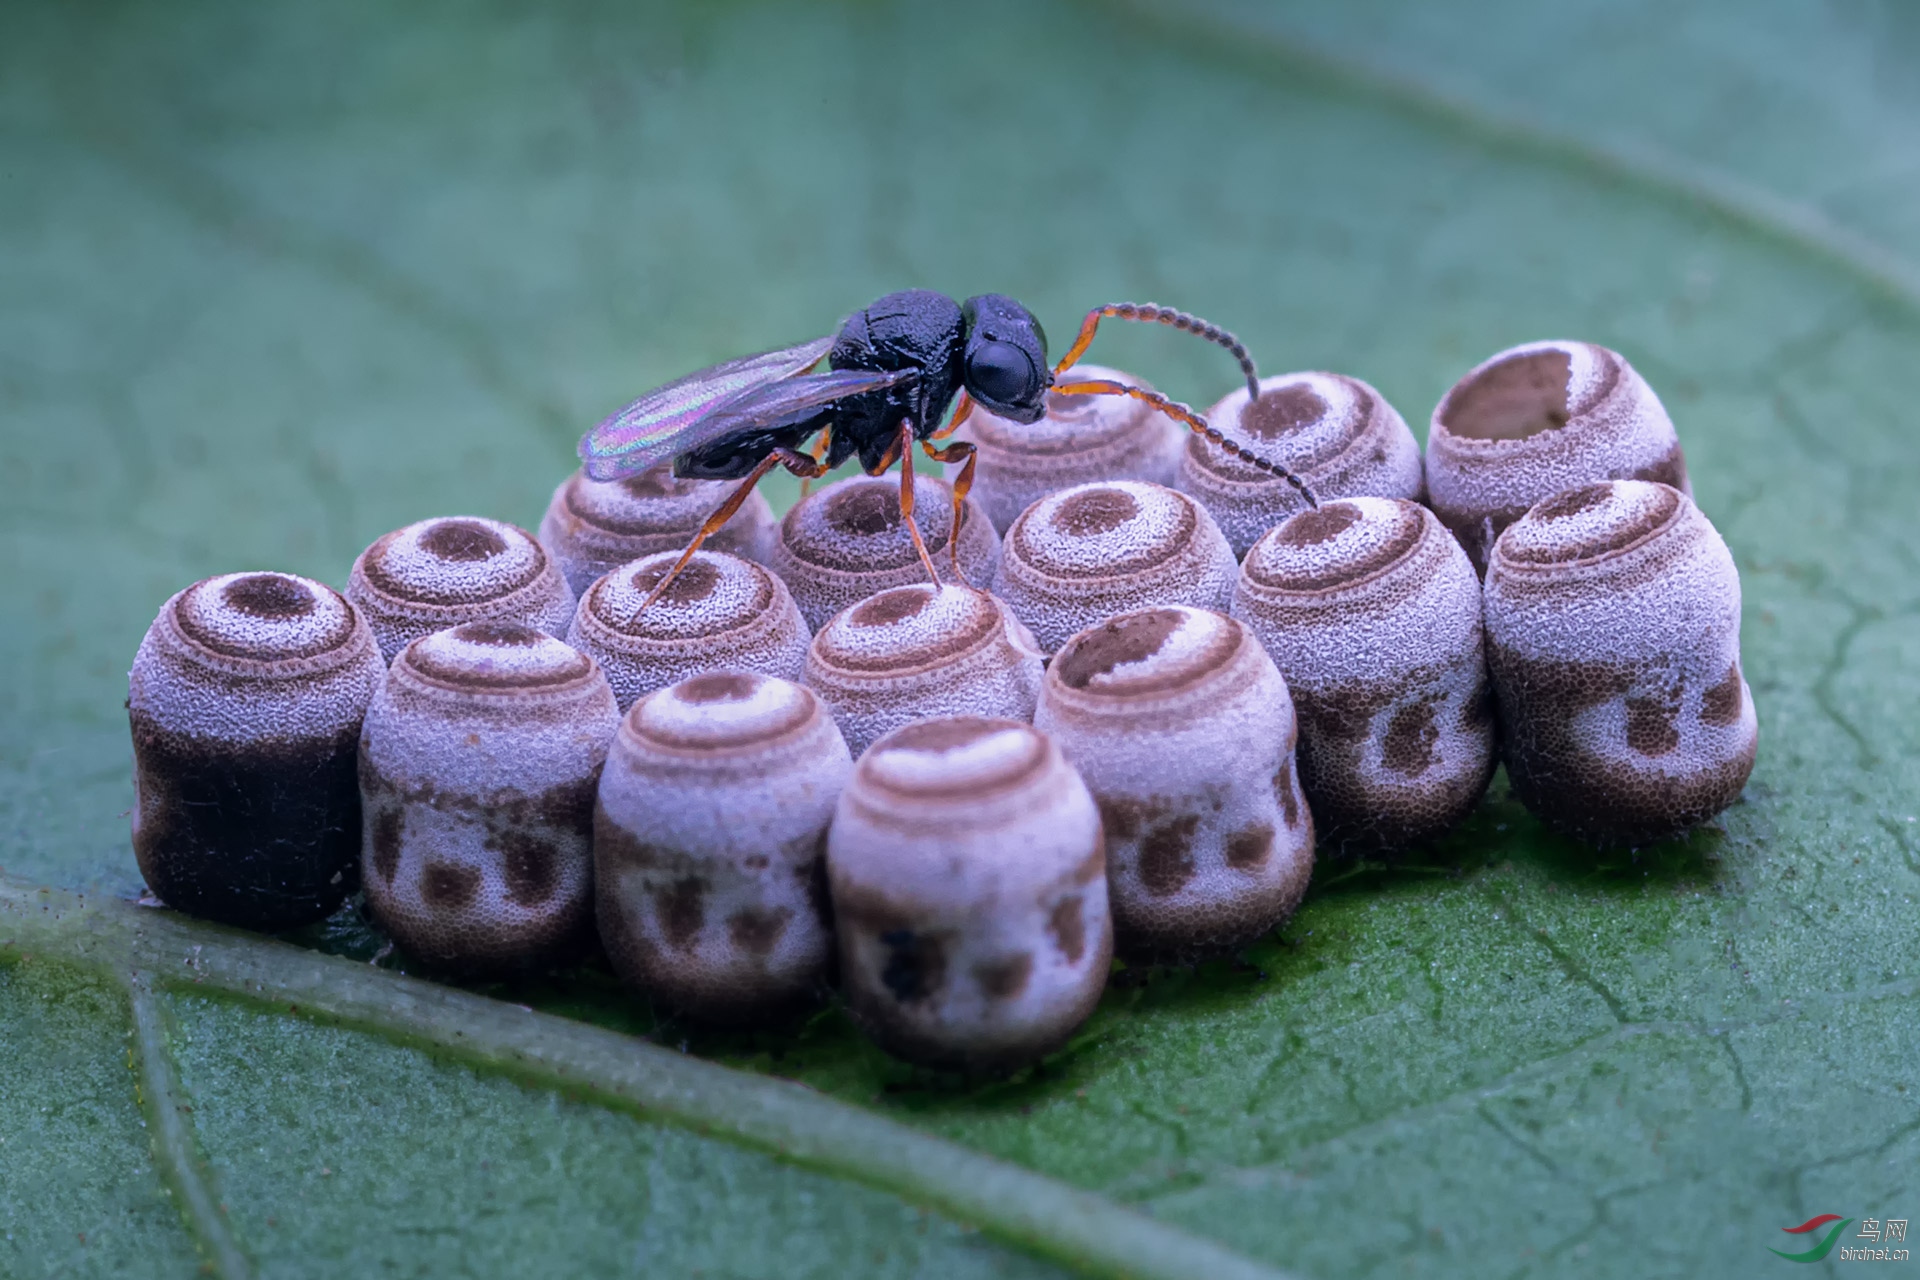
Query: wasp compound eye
[(440, 573), (710, 884), (593, 527), (246, 700), (478, 765), (1002, 374), (720, 612)]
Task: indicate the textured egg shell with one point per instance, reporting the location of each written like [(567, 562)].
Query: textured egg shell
[(1097, 550), (592, 527), (1184, 732), (920, 652), (710, 842), (1534, 420), (1371, 610), (720, 612), (1613, 622), (439, 573), (1082, 438), (970, 893), (846, 541), (1335, 432)]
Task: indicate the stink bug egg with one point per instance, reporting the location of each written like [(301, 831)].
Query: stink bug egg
[(970, 894), (246, 700), (478, 765), (592, 527), (709, 845), (720, 611), (440, 573)]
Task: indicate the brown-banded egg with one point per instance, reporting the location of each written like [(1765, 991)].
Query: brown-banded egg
[(1372, 613), (245, 700), (1613, 628), (970, 893), (846, 541), (1097, 550), (439, 573), (710, 841), (1534, 420), (1081, 438), (1336, 433), (721, 611), (592, 527), (478, 765), (917, 652), (1182, 728)]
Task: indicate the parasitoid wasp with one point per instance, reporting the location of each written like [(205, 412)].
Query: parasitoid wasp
[(894, 367)]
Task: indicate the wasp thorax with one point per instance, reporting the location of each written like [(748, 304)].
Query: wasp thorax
[(1082, 438), (1096, 550), (1535, 420), (720, 611), (1372, 613), (970, 892), (245, 699), (440, 573), (592, 527), (914, 653), (1613, 627), (478, 765), (709, 845), (846, 541), (1336, 433), (1184, 733)]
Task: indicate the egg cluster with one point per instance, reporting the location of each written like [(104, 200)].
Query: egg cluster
[(1156, 682)]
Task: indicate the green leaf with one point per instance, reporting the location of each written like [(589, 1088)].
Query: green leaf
[(275, 280)]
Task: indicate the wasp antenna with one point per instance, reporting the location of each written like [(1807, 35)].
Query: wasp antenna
[(1154, 313)]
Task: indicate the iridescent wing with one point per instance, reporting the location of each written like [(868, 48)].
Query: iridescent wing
[(675, 418)]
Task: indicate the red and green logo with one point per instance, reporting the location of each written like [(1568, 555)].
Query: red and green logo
[(1825, 1246)]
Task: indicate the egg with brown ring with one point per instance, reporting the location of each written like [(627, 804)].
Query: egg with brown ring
[(1183, 730), (245, 701), (479, 761), (1337, 433), (970, 893), (438, 573), (1371, 611), (1613, 628), (592, 527), (844, 542), (719, 612), (1533, 420), (710, 841)]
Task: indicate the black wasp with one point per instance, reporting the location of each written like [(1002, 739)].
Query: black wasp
[(893, 369)]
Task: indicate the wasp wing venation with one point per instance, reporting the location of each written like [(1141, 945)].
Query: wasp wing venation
[(652, 428)]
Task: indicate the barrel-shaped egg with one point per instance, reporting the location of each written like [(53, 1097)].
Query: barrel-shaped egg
[(478, 766), (1094, 551), (440, 573), (1613, 627), (918, 652), (719, 611), (846, 541), (245, 700), (970, 894), (1184, 732), (592, 527), (1082, 438), (1534, 420), (710, 844), (1336, 433), (1372, 612)]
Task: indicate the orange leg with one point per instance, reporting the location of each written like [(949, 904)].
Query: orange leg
[(798, 463), (817, 452), (961, 412), (1180, 413), (1156, 314), (963, 453), (902, 448)]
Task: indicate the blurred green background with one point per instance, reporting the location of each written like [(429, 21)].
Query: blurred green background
[(276, 278)]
